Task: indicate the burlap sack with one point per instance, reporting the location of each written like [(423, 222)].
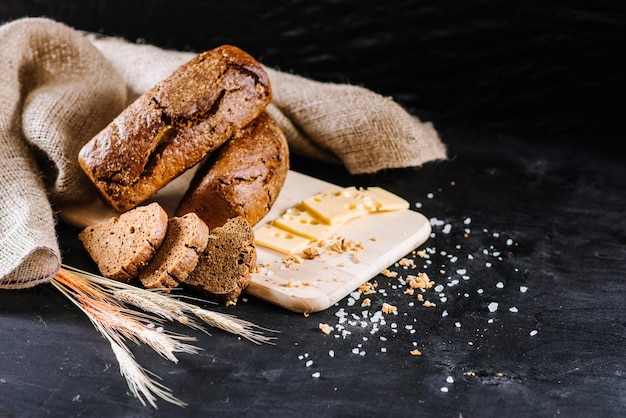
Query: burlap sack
[(59, 87)]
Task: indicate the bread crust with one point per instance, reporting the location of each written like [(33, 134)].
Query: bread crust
[(243, 178), (175, 124)]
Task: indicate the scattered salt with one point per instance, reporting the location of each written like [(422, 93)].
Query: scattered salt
[(316, 375), (533, 332), (513, 309), (450, 379), (444, 389), (493, 306), (523, 289), (500, 285)]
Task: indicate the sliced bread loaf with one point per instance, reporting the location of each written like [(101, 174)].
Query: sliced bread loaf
[(225, 266), (124, 245), (186, 238)]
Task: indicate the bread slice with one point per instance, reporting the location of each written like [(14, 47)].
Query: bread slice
[(123, 245), (226, 265), (186, 238)]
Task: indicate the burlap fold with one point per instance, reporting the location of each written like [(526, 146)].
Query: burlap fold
[(59, 87)]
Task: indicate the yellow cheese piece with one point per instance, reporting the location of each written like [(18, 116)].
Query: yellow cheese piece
[(337, 206), (278, 239), (383, 200), (302, 222)]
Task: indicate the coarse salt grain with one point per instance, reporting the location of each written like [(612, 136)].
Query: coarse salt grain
[(493, 306), (523, 289), (450, 379), (533, 332), (444, 389), (316, 375), (513, 309)]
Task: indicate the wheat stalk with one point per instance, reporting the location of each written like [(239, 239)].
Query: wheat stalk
[(104, 302)]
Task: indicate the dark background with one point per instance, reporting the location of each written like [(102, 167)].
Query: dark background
[(542, 66), (527, 96)]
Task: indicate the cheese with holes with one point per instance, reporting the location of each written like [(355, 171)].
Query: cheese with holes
[(278, 239), (338, 206), (383, 200), (302, 222)]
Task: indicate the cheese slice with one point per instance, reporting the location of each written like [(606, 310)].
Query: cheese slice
[(383, 200), (278, 239), (337, 206), (302, 222)]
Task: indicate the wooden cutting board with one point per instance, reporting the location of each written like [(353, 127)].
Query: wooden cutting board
[(311, 285)]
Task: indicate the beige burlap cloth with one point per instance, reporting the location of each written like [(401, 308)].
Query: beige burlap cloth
[(59, 87)]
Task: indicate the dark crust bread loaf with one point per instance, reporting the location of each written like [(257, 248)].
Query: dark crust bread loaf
[(175, 124), (186, 238), (242, 178), (124, 245), (226, 265)]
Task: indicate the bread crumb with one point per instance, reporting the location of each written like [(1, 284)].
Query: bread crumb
[(366, 302), (231, 302), (389, 273), (416, 352), (421, 253), (388, 309), (325, 328), (421, 281), (311, 253), (406, 262), (410, 291), (292, 259), (368, 288), (429, 304)]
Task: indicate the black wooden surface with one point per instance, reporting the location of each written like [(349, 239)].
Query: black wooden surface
[(532, 197)]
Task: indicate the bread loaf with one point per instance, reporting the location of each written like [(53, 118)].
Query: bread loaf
[(186, 238), (175, 124), (243, 178), (226, 265), (124, 245)]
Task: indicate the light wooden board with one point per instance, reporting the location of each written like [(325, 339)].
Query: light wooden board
[(314, 284)]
